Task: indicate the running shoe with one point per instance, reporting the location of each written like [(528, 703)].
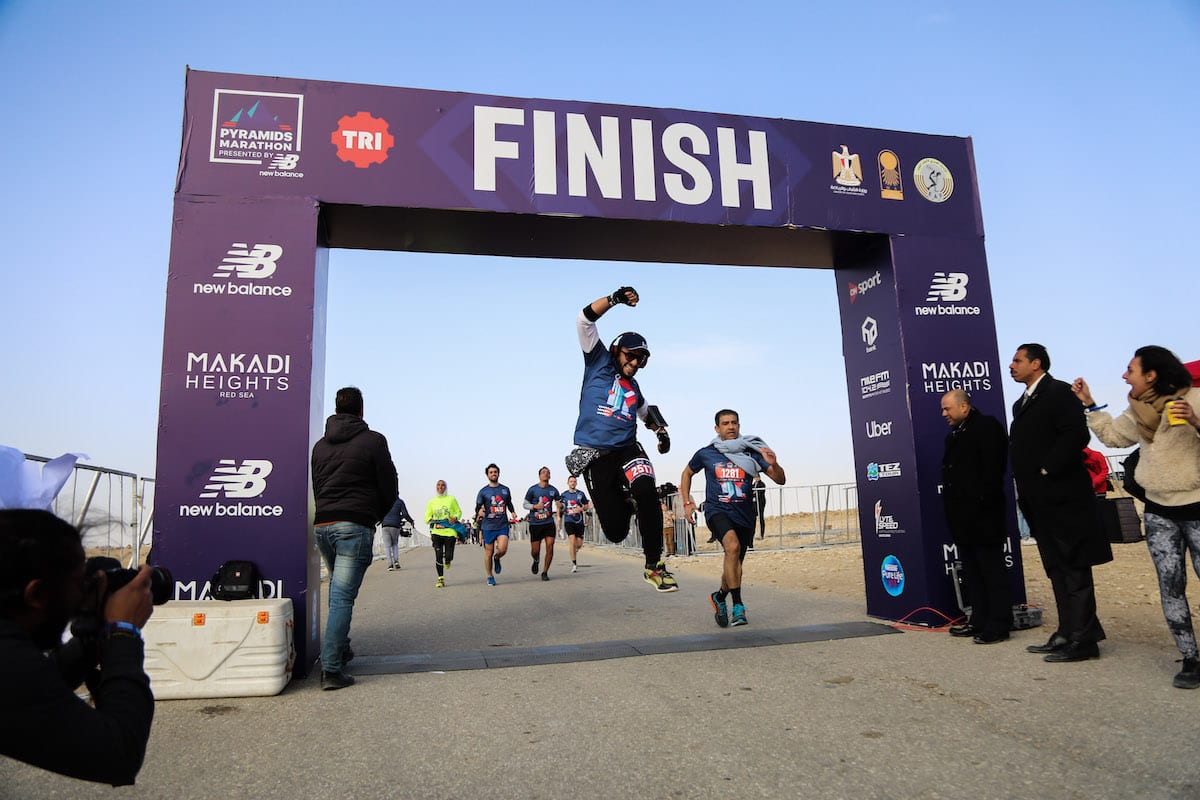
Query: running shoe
[(739, 615), (545, 576), (491, 581), (661, 579), (533, 569), (496, 564), (391, 567), (574, 567), (446, 565), (720, 612), (441, 583)]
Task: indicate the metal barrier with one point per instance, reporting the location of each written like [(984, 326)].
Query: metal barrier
[(114, 510)]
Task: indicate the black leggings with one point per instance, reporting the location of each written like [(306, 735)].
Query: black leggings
[(611, 491), (443, 551)]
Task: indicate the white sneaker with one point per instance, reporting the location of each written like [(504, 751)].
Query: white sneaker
[(574, 568)]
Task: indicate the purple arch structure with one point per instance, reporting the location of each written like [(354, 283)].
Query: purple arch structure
[(275, 171)]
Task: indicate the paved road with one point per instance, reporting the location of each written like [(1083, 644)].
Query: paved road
[(836, 714)]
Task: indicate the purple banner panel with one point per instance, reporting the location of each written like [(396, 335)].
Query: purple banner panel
[(235, 414), (949, 329), (361, 145)]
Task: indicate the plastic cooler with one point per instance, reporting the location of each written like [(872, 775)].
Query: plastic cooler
[(220, 648)]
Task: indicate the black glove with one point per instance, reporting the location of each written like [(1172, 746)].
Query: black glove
[(664, 441), (618, 297)]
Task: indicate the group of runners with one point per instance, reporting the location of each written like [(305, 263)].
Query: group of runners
[(619, 477)]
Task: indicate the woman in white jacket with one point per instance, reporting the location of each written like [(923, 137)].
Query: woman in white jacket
[(1169, 470)]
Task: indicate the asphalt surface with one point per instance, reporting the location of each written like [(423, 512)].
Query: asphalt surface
[(592, 685)]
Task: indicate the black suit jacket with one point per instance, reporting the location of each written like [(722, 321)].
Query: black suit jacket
[(1046, 444), (973, 466)]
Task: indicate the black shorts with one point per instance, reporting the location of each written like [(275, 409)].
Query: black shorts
[(573, 528), (720, 524), (543, 531)]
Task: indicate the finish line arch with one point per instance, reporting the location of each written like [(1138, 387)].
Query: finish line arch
[(275, 171)]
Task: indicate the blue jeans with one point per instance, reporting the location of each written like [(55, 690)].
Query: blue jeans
[(346, 548)]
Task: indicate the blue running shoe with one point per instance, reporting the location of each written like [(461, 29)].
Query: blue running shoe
[(491, 581), (496, 564), (719, 611), (739, 615)]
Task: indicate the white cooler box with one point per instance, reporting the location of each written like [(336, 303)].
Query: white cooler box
[(220, 648)]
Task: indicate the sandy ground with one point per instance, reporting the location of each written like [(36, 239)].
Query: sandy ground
[(1126, 589)]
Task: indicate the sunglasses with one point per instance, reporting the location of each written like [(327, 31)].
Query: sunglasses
[(640, 356)]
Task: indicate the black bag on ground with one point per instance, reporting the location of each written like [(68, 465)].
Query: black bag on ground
[(1132, 487), (235, 580)]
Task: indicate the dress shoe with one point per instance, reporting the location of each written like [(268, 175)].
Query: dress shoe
[(1074, 651), (335, 680), (963, 629), (991, 638), (1056, 642)]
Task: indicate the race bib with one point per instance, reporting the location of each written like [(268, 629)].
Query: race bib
[(638, 468)]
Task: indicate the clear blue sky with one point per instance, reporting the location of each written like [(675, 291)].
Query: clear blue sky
[(1084, 119)]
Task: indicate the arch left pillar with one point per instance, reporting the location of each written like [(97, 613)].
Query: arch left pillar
[(240, 401)]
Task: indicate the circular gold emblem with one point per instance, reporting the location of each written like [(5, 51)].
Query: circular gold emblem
[(933, 179)]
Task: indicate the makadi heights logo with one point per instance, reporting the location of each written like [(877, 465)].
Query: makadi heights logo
[(259, 129)]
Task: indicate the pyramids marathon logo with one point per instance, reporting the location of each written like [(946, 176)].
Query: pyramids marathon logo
[(258, 129)]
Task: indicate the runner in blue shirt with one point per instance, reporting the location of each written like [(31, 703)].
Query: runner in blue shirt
[(575, 505), (545, 511), (493, 509), (730, 464), (607, 452)]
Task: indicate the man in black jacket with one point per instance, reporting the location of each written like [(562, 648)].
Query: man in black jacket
[(354, 485), (1054, 491), (973, 467), (42, 587)]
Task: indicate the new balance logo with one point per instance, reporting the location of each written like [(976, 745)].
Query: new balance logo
[(234, 481), (288, 161), (948, 287), (246, 262)]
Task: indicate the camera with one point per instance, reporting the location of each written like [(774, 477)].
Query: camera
[(161, 581)]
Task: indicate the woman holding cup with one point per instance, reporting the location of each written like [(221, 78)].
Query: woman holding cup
[(1162, 418)]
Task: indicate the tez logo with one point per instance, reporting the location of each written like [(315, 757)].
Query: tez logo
[(247, 480), (249, 262), (948, 287)]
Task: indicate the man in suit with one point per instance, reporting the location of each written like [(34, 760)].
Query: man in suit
[(973, 466), (1054, 492)]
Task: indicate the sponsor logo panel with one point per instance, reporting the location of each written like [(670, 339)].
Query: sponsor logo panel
[(876, 429), (891, 185), (243, 270), (876, 384), (862, 287), (933, 180), (939, 377), (362, 140), (263, 130), (891, 571), (946, 296), (886, 525), (870, 333), (847, 174), (238, 375), (877, 470), (241, 484)]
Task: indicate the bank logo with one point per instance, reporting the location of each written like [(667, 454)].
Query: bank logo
[(862, 287), (257, 129), (876, 470), (877, 429), (892, 573), (891, 187), (870, 333), (885, 524), (933, 180), (233, 480), (940, 377), (874, 385), (362, 140), (847, 173), (246, 262)]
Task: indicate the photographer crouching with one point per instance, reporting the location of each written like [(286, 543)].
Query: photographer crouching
[(43, 586)]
